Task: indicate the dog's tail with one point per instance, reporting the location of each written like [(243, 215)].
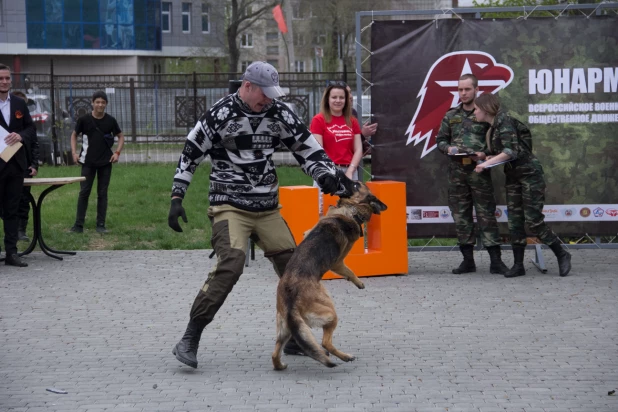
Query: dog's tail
[(301, 332)]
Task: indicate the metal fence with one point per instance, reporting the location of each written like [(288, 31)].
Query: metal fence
[(155, 112)]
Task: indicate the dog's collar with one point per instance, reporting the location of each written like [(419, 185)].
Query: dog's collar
[(360, 222)]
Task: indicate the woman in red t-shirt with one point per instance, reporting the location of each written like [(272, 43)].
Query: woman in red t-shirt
[(338, 131)]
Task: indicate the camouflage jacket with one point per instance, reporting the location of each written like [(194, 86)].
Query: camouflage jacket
[(504, 138), (461, 129)]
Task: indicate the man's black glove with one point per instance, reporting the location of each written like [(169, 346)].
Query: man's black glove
[(338, 185), (176, 211), (328, 183)]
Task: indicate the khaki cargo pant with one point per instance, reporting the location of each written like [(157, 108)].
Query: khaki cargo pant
[(231, 230)]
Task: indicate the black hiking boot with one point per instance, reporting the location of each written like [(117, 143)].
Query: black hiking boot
[(186, 350), (497, 266), (467, 265), (518, 268), (564, 258)]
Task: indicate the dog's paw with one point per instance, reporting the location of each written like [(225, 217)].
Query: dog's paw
[(360, 285), (330, 364), (282, 366), (349, 358)]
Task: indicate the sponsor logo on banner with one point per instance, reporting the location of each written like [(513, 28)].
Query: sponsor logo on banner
[(585, 212), (439, 91), (431, 214), (444, 214), (498, 212), (567, 212), (415, 214), (551, 213), (598, 212), (612, 212)]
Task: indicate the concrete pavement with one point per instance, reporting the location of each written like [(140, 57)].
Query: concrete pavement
[(101, 325)]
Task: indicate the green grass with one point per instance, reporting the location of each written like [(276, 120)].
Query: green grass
[(139, 199)]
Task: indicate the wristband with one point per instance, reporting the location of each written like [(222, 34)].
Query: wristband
[(117, 152)]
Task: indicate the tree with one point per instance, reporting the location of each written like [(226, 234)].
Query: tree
[(240, 16), (231, 18)]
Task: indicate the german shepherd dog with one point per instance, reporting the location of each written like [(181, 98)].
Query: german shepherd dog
[(302, 301)]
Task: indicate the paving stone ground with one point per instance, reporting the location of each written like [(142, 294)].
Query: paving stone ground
[(101, 325)]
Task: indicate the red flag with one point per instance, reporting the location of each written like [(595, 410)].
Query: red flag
[(278, 15)]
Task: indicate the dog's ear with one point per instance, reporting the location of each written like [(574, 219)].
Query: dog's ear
[(376, 205)]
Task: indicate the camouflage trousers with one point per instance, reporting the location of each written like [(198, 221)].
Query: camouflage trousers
[(468, 189), (231, 230), (525, 197)]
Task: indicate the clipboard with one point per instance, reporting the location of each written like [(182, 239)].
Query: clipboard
[(6, 152), (497, 164)]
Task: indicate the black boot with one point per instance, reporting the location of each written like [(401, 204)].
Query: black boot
[(468, 263), (564, 258), (186, 350), (496, 266), (518, 268), (21, 233), (14, 260)]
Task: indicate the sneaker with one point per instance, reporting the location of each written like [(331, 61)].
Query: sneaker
[(101, 229), (76, 229), (21, 235)]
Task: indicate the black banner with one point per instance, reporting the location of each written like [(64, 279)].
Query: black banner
[(558, 76)]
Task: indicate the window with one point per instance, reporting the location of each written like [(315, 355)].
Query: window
[(271, 36), (273, 63), (246, 11), (186, 17), (301, 10), (1, 13), (319, 37), (299, 66), (244, 65), (166, 17), (272, 50), (102, 24), (205, 19), (299, 39), (246, 40)]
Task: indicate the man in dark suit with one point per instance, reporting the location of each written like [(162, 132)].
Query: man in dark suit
[(32, 159), (15, 119)]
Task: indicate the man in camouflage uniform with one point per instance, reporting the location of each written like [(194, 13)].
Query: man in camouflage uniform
[(459, 133)]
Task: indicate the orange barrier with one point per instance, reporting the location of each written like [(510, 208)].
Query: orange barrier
[(387, 247)]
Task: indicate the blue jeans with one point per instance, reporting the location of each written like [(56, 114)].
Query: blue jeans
[(104, 174)]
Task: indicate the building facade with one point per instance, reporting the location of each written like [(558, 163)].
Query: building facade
[(119, 37)]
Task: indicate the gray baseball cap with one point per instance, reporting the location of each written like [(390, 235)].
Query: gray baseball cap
[(264, 75)]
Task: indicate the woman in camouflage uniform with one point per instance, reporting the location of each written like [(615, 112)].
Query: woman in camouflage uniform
[(525, 184)]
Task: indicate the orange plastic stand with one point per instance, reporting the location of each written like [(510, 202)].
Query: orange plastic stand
[(387, 247)]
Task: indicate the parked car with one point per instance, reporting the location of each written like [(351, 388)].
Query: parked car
[(41, 111)]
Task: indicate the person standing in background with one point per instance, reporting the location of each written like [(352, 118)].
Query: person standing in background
[(462, 133), (96, 158), (16, 120), (525, 184), (338, 132), (32, 159)]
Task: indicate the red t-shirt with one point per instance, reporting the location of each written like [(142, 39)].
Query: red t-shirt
[(338, 137)]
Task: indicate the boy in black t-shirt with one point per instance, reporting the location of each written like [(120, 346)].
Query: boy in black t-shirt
[(98, 130)]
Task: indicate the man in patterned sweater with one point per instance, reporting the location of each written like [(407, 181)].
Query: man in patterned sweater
[(240, 133)]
